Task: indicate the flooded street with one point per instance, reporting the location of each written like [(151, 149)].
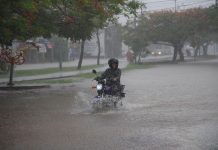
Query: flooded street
[(167, 107)]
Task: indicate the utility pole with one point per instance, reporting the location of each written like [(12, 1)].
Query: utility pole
[(176, 6)]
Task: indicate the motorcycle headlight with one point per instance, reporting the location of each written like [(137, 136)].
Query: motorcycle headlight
[(99, 87)]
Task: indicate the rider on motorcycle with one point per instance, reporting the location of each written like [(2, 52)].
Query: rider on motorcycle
[(112, 75)]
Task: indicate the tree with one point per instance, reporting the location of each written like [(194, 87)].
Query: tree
[(203, 39), (174, 28), (197, 26), (83, 26), (99, 47), (136, 36), (75, 19), (205, 28), (212, 13), (21, 20), (80, 17)]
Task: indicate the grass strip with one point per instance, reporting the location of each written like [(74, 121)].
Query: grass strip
[(81, 76), (50, 81), (132, 66), (34, 72)]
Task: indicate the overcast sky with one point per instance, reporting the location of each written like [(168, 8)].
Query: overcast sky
[(155, 5)]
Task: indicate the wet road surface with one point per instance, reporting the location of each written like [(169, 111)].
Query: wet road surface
[(168, 107)]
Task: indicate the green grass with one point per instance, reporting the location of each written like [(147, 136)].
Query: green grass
[(66, 80), (129, 67), (73, 79), (87, 75), (136, 66), (33, 72), (50, 81)]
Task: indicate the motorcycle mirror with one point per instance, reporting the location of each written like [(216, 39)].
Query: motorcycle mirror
[(94, 71)]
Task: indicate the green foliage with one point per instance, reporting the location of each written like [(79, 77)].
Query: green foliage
[(50, 81), (86, 75), (75, 19), (33, 72), (82, 18), (136, 66), (136, 36), (20, 20), (212, 13), (197, 26), (177, 28), (170, 27)]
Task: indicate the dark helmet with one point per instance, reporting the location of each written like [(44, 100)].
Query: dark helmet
[(113, 61)]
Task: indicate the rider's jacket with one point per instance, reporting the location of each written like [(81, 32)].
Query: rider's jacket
[(112, 76)]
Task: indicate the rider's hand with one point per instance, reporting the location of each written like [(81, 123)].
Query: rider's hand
[(96, 78)]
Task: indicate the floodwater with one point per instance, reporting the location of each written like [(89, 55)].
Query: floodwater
[(168, 107)]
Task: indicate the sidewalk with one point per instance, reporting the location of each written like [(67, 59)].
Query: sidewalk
[(86, 61), (123, 63)]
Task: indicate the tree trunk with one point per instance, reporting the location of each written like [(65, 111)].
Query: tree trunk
[(52, 55), (199, 52), (60, 58), (181, 54), (175, 54), (139, 59), (135, 59), (81, 54), (196, 51), (205, 49), (11, 74), (99, 47)]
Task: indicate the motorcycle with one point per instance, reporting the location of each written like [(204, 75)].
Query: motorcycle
[(106, 97)]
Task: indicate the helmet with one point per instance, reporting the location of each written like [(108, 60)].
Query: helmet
[(113, 61)]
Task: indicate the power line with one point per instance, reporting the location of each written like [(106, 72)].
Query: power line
[(178, 2), (167, 8), (205, 1), (190, 4), (159, 1)]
